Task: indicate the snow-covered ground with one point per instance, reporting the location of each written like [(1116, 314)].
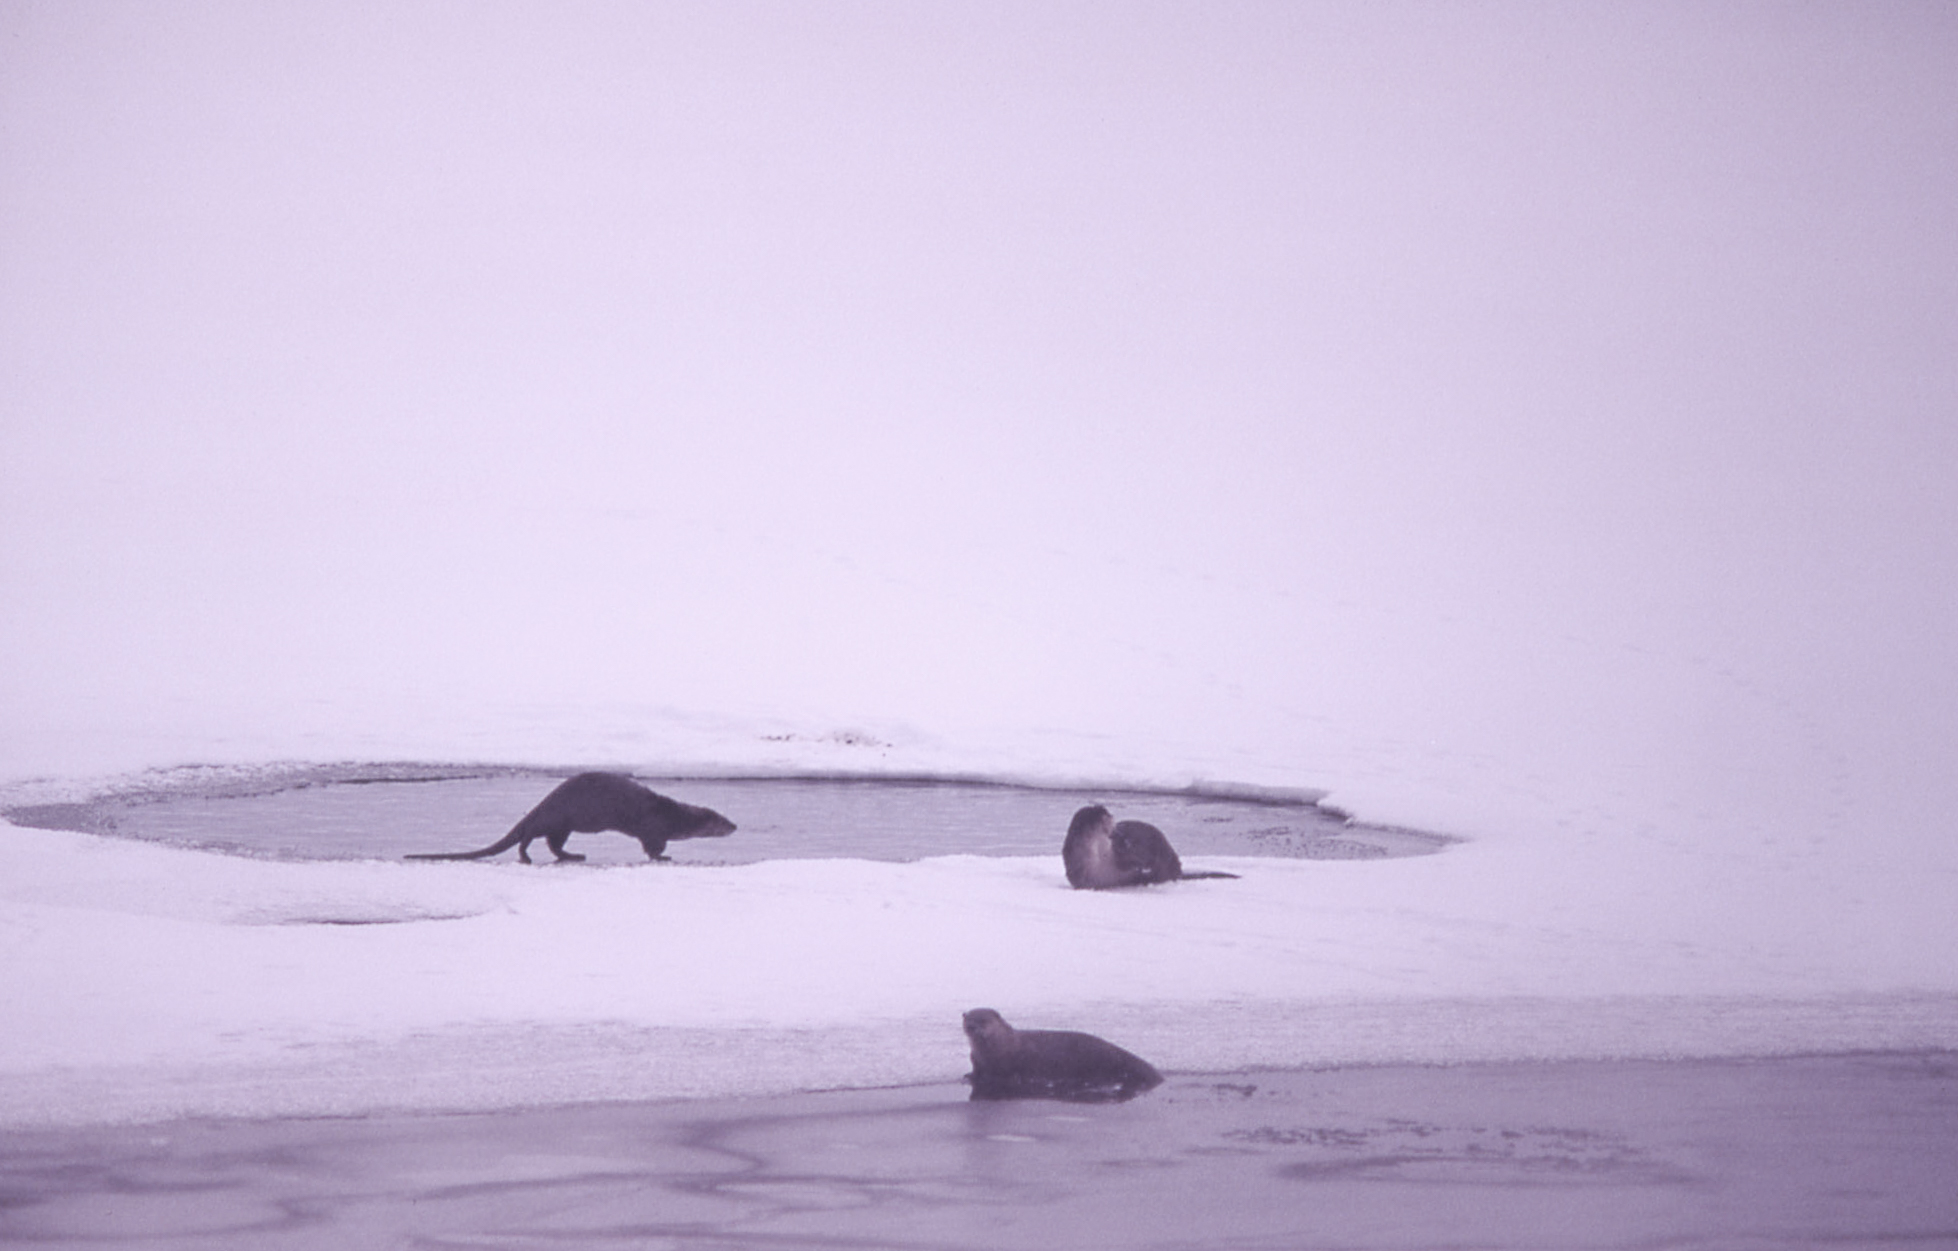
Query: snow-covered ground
[(149, 980), (1530, 425)]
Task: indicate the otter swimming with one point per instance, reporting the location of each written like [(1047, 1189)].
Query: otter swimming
[(1010, 1063), (592, 802), (1101, 853)]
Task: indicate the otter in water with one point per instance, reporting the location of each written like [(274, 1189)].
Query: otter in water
[(1010, 1063), (592, 802), (1101, 852)]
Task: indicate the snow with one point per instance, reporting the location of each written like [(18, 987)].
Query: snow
[(1532, 430), (145, 979)]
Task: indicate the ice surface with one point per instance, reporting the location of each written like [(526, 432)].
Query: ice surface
[(147, 979)]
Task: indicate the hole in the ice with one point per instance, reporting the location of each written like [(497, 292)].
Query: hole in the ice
[(340, 812)]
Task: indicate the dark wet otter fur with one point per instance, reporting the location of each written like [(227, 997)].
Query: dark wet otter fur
[(592, 802), (1010, 1063), (1101, 853)]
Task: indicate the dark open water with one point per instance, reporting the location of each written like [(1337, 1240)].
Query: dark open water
[(1857, 1152)]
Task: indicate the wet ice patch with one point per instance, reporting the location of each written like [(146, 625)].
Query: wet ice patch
[(1403, 1150), (346, 917)]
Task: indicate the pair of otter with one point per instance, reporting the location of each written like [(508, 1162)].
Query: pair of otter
[(1101, 853)]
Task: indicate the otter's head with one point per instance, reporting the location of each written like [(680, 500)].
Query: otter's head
[(690, 821), (1089, 820), (987, 1029), (1088, 851)]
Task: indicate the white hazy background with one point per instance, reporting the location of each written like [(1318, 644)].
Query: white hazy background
[(1535, 422)]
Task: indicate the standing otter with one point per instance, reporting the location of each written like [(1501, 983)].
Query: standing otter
[(1010, 1063), (1101, 853), (592, 802)]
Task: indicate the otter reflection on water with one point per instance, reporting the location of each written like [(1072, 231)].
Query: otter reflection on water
[(1101, 853), (1010, 1063)]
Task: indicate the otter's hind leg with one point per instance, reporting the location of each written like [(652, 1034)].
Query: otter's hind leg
[(556, 843)]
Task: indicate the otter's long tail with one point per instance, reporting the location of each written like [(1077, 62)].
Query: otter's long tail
[(1208, 873), (501, 845)]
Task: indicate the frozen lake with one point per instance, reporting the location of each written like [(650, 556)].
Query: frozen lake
[(261, 948), (1530, 426)]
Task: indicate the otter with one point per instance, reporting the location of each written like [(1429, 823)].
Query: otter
[(592, 802), (1010, 1063), (1102, 853)]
